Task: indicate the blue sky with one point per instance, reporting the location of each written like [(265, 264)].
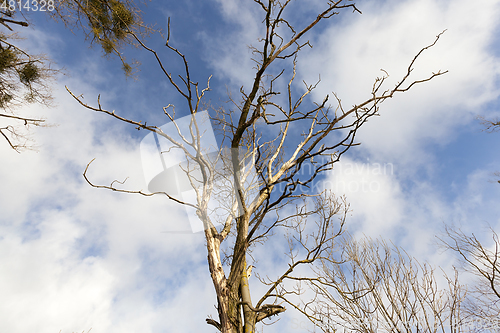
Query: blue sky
[(74, 257)]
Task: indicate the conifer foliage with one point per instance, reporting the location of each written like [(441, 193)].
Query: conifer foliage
[(25, 77)]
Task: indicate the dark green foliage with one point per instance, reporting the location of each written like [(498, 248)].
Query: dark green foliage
[(25, 77), (110, 21), (5, 99), (29, 73), (127, 68), (122, 19), (7, 59), (108, 46)]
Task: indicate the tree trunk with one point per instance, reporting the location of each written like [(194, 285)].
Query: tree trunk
[(220, 282), (228, 298), (248, 314)]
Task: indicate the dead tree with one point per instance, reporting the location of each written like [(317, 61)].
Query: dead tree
[(262, 127), (369, 286), (483, 262)]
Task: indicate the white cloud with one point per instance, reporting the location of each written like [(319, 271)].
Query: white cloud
[(45, 282), (230, 54), (374, 195), (75, 257), (349, 55)]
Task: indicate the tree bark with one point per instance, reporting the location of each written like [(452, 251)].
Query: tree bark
[(220, 282)]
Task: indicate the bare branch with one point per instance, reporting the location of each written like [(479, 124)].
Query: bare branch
[(110, 187)]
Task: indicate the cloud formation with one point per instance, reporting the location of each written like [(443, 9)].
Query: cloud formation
[(74, 257)]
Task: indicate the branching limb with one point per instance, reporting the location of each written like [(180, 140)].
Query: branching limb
[(110, 187)]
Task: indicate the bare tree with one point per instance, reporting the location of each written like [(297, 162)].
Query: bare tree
[(368, 286), (483, 302), (483, 262), (260, 126)]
